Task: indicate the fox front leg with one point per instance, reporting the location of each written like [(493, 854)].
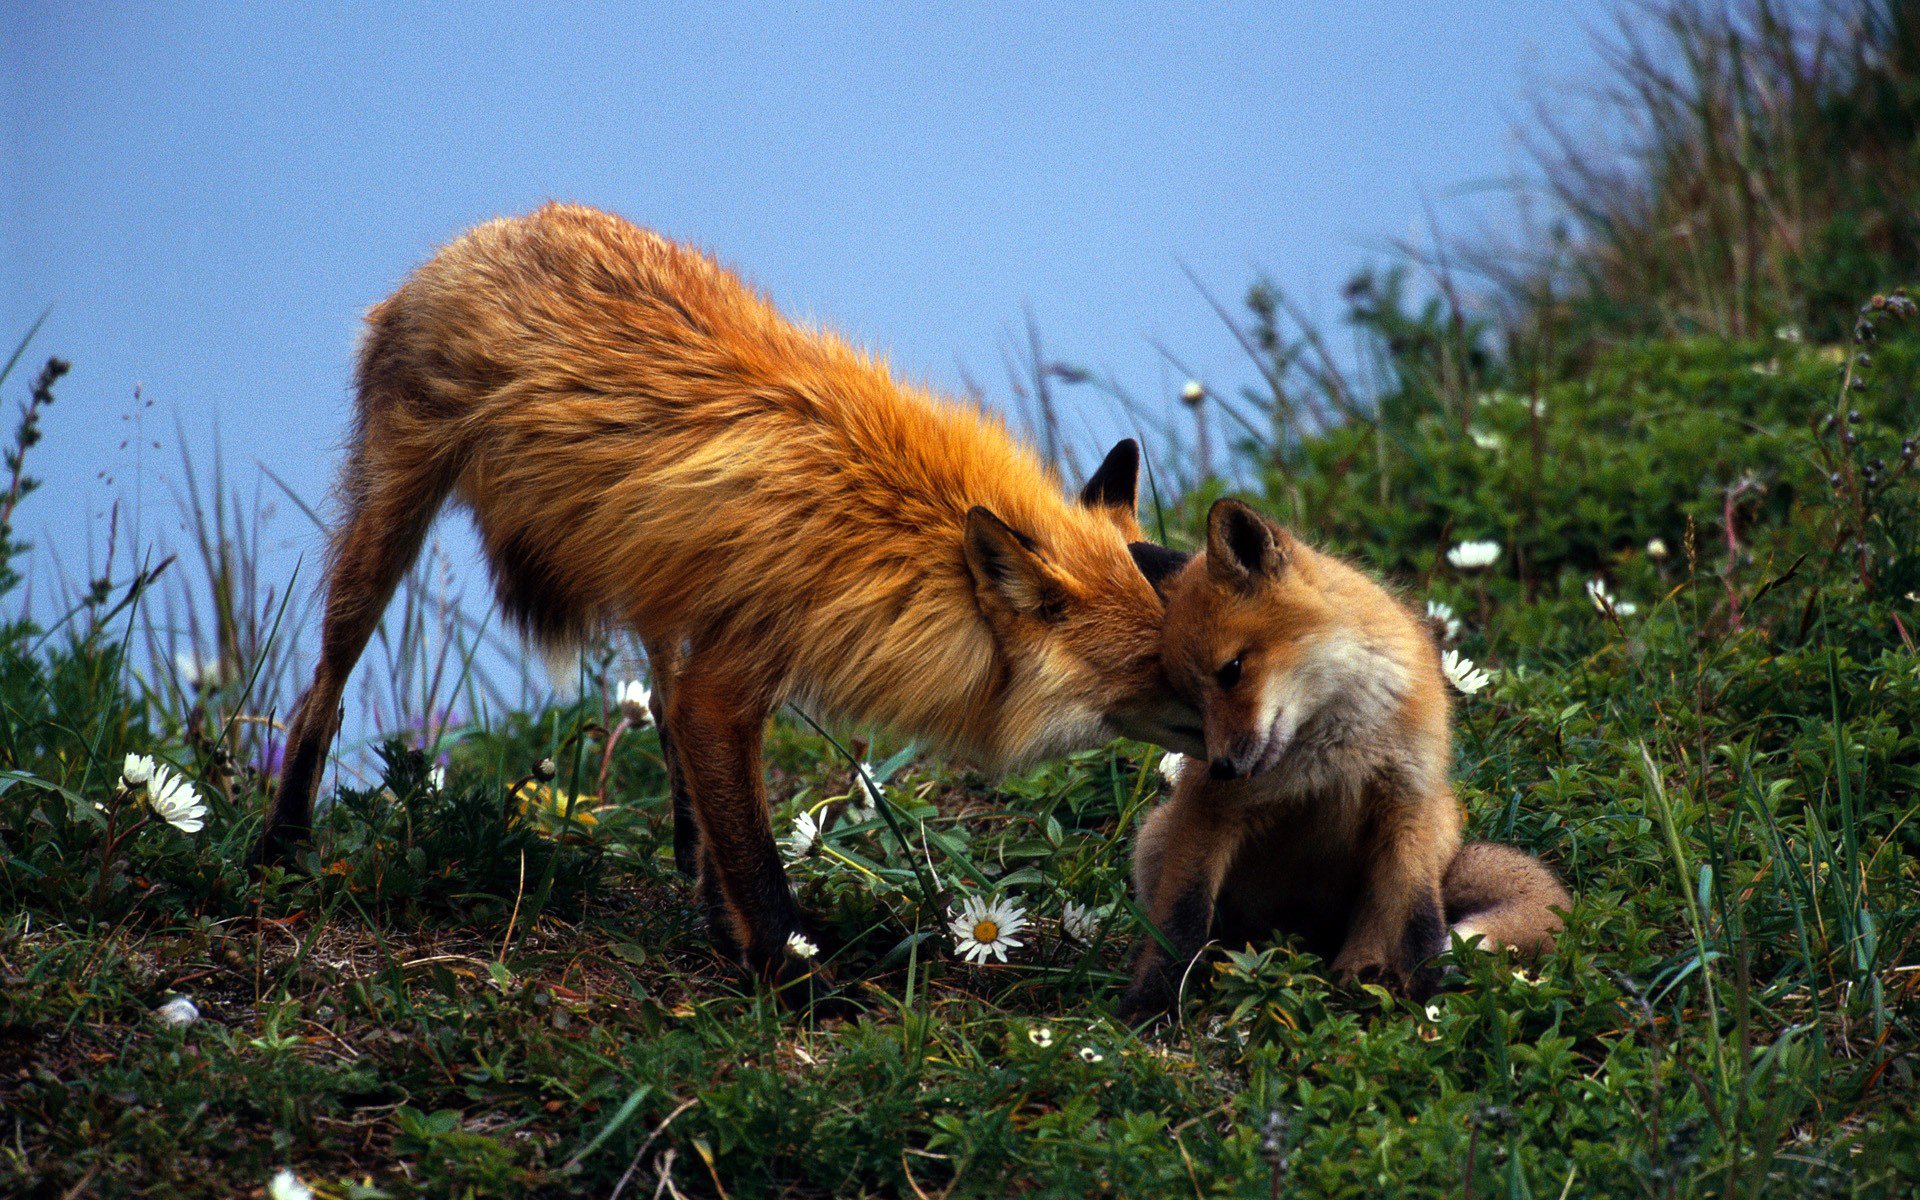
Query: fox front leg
[(717, 726), (1178, 866), (1400, 922)]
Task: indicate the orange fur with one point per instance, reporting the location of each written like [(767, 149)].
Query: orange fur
[(645, 441), (1323, 808)]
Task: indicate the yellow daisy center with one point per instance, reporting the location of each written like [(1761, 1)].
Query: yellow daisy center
[(986, 931)]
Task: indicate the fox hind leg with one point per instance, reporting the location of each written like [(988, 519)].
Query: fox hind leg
[(394, 492)]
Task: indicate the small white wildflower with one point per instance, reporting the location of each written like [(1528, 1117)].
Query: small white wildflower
[(1462, 674), (178, 1012), (1433, 1012), (136, 771), (1471, 556), (806, 831), (1657, 549), (1789, 333), (285, 1185), (800, 947), (1040, 1036), (1171, 765), (175, 801), (1089, 1054), (1606, 602), (1487, 439), (437, 779), (1523, 977), (197, 674), (1079, 922), (1442, 615), (1194, 392), (866, 794), (985, 927), (636, 702)]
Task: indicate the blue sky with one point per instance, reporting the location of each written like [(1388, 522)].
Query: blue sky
[(209, 196)]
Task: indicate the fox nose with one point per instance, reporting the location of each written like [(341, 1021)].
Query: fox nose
[(1223, 768)]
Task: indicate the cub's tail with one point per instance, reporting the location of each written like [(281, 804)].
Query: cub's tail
[(1506, 896)]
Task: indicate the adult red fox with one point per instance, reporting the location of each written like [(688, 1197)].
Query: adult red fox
[(644, 441), (1322, 807)]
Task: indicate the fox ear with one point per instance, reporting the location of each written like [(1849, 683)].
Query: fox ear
[(1009, 576), (1243, 547), (1157, 563), (1116, 484)]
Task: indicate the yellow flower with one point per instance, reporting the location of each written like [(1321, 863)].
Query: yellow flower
[(555, 811)]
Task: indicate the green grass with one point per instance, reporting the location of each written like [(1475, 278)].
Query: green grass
[(448, 997)]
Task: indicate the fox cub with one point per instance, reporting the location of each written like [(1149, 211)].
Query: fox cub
[(643, 441), (1322, 808)]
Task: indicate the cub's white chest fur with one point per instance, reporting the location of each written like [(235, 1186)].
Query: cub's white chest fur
[(1343, 702)]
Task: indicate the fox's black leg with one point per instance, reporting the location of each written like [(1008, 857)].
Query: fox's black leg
[(664, 664), (717, 719)]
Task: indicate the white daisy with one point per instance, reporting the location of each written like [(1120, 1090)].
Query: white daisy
[(806, 831), (985, 927), (636, 701), (1657, 549), (285, 1185), (1487, 439), (1442, 615), (136, 771), (1471, 556), (1089, 1054), (1462, 674), (1171, 765), (196, 674), (866, 794), (800, 947), (1040, 1036), (1605, 602), (1079, 922), (175, 801), (178, 1012)]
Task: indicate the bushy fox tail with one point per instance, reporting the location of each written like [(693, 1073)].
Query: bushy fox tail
[(1507, 896), (401, 464)]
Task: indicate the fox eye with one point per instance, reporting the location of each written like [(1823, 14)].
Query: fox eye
[(1229, 674)]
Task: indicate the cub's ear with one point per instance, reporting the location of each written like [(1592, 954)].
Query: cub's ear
[(1010, 579), (1115, 487), (1243, 547), (1157, 563)]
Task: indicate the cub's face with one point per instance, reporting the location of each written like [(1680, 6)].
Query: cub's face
[(1254, 641)]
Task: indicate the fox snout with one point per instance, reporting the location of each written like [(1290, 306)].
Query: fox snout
[(1246, 754)]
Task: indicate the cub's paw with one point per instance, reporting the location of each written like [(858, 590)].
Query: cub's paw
[(1356, 969), (1149, 1001)]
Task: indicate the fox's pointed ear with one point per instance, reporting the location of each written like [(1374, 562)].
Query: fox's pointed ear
[(1243, 547), (1157, 563), (1115, 487), (1009, 576)]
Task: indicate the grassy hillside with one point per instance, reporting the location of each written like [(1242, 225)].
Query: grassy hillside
[(456, 996)]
